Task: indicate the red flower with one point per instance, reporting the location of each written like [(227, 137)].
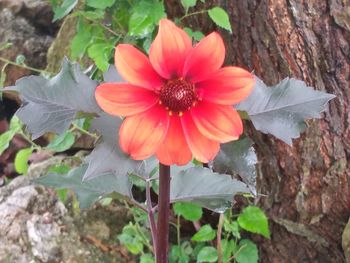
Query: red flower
[(177, 103)]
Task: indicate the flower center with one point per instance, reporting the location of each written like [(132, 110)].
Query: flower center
[(178, 95)]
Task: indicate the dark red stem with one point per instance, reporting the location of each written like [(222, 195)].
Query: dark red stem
[(163, 214)]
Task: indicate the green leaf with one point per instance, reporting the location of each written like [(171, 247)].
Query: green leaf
[(191, 212), (205, 233), (5, 139), (232, 227), (100, 54), (228, 248), (147, 258), (220, 17), (238, 157), (100, 4), (178, 255), (15, 124), (64, 9), (131, 239), (59, 169), (62, 142), (57, 101), (21, 160), (207, 254), (81, 41), (188, 3), (20, 59), (90, 191), (204, 187), (282, 110), (247, 252), (254, 220), (196, 35), (145, 16)]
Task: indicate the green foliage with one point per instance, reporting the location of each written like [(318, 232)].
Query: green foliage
[(6, 137), (196, 35), (207, 254), (188, 3), (247, 252), (62, 142), (220, 17), (21, 160), (205, 233), (132, 239), (254, 220), (100, 4), (191, 212), (64, 9)]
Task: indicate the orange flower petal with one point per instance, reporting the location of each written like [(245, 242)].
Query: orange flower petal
[(217, 122), (203, 149), (135, 67), (205, 58), (141, 134), (123, 99), (227, 86), (169, 49), (174, 148)]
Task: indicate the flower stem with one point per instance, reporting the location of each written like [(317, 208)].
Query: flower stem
[(163, 214), (151, 214)]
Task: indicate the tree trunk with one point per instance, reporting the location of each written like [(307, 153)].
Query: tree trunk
[(307, 185)]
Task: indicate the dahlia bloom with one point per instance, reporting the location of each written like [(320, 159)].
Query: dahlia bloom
[(178, 103)]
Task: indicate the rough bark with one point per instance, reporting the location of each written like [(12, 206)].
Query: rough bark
[(307, 185)]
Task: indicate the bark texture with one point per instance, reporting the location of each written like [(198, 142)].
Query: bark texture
[(307, 185)]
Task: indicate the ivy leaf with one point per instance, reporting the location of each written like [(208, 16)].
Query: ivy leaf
[(51, 105), (100, 4), (64, 9), (191, 212), (220, 18), (208, 189), (90, 191), (21, 160), (254, 220), (247, 252), (62, 142), (205, 233), (283, 109), (107, 157), (207, 254), (238, 157)]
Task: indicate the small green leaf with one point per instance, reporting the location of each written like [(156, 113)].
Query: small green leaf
[(62, 142), (232, 227), (196, 35), (228, 248), (81, 41), (131, 239), (205, 233), (15, 124), (253, 219), (188, 3), (5, 140), (207, 254), (59, 169), (189, 211), (220, 17), (20, 59), (100, 53), (247, 252), (147, 258), (64, 9), (21, 160), (178, 255), (99, 4)]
